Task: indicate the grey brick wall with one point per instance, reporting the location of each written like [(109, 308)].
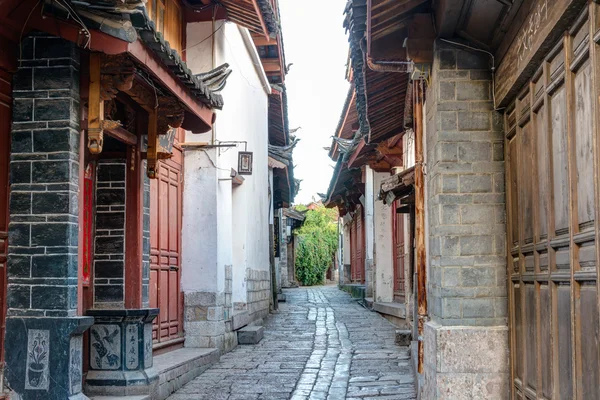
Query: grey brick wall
[(259, 292), (44, 180), (465, 192), (109, 251)]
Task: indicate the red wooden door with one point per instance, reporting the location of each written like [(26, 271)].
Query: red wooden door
[(357, 245), (353, 264), (165, 240), (5, 118), (398, 248), (360, 247)]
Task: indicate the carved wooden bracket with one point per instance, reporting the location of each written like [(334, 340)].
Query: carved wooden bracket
[(111, 74)]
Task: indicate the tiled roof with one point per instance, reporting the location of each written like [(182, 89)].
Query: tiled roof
[(129, 16), (356, 24)]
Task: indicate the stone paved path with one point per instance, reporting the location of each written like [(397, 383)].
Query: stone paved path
[(320, 345)]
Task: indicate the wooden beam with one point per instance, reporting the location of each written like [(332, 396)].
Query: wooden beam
[(271, 64), (551, 19), (95, 106), (122, 135), (263, 41), (261, 18)]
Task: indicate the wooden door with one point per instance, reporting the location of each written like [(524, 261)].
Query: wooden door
[(353, 251), (398, 253), (552, 227), (5, 118), (357, 245), (360, 246), (165, 251)]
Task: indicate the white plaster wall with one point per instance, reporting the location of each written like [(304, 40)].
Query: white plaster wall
[(384, 255), (199, 247), (347, 256), (238, 231), (239, 246)]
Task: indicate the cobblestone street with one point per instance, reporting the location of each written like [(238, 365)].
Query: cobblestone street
[(320, 345)]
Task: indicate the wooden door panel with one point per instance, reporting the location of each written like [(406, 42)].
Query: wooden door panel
[(398, 252), (165, 250), (552, 176)]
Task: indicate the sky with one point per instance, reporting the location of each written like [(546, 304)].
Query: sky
[(316, 43)]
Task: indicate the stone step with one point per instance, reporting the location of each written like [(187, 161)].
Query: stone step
[(250, 334), (281, 297), (178, 367)]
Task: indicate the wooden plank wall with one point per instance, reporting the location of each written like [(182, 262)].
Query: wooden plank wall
[(553, 186)]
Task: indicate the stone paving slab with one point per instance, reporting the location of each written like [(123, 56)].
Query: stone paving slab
[(321, 344)]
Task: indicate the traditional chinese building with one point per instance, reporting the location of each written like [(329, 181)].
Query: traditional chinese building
[(503, 98), (99, 106)]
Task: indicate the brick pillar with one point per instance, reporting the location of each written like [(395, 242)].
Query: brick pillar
[(466, 339), (120, 351), (43, 332)]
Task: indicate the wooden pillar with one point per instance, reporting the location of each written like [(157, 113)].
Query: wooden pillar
[(421, 266)]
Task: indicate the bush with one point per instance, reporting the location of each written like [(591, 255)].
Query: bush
[(318, 241)]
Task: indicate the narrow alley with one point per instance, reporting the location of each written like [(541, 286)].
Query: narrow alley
[(321, 344)]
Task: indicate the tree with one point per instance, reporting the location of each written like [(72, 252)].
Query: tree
[(317, 243)]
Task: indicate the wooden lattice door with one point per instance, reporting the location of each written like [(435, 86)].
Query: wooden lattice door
[(357, 245), (398, 253), (552, 227), (165, 250)]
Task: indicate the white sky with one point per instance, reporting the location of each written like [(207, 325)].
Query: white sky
[(316, 43)]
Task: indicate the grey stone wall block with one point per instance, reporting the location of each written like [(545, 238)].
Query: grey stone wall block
[(446, 59), (448, 121), (467, 59), (447, 90), (474, 121), (449, 183), (473, 90), (475, 151), (475, 183), (478, 308), (477, 213), (476, 245), (479, 276)]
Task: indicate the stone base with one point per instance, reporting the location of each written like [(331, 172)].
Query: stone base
[(117, 383), (355, 290), (178, 367), (250, 335), (121, 353), (57, 345), (464, 362), (403, 337)]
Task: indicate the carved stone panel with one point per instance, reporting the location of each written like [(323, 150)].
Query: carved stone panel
[(37, 371), (147, 345), (132, 346), (105, 347), (75, 363)]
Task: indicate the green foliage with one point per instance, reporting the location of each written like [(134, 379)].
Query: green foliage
[(318, 241)]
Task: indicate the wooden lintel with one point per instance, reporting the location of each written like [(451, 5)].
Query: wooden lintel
[(271, 64), (260, 40), (122, 135)]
